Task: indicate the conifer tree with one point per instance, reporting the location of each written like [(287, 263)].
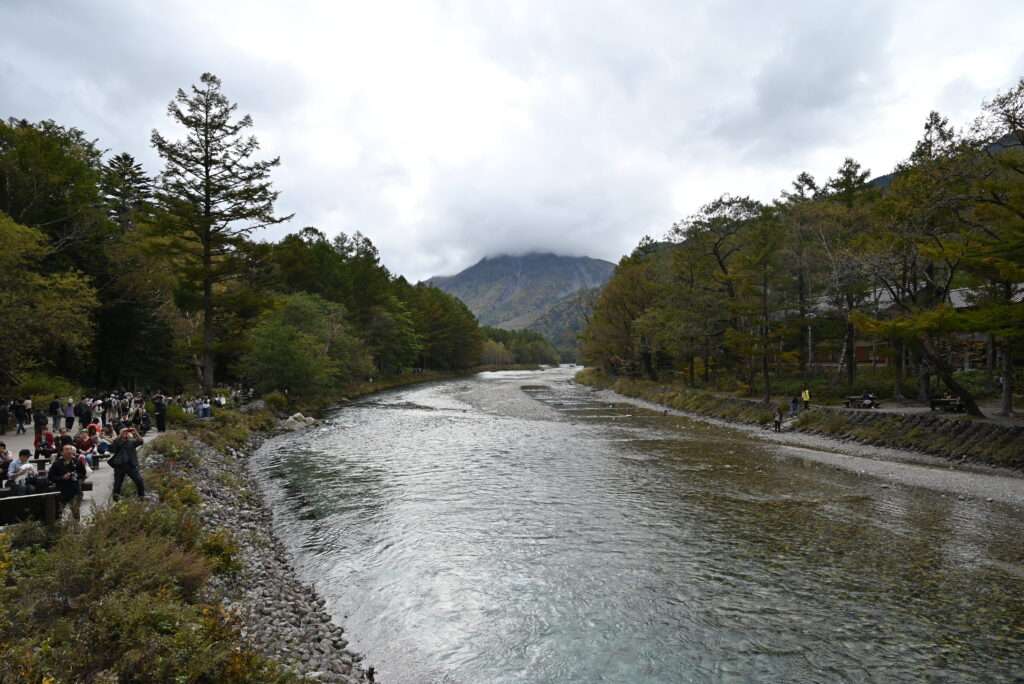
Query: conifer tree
[(214, 193), (127, 191)]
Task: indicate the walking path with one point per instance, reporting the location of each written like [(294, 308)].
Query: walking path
[(102, 478), (990, 407), (893, 466)]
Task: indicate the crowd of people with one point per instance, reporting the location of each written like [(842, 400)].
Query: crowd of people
[(61, 414), (72, 438), (65, 464)]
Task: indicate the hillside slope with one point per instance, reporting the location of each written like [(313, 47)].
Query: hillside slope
[(515, 291), (565, 320)]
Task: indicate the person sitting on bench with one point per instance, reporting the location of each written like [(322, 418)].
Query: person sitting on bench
[(868, 400), (22, 474), (67, 474), (106, 439), (47, 448), (5, 461)]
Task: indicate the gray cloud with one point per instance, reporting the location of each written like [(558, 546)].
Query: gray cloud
[(454, 129)]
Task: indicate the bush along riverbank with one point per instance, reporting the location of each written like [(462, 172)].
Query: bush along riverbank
[(189, 585), (953, 437)]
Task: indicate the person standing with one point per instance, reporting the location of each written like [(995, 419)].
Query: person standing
[(806, 396), (69, 414), (39, 421), (67, 474), (20, 416), (84, 411), (160, 409), (55, 413), (125, 461)]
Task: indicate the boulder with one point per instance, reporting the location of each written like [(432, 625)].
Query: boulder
[(253, 406)]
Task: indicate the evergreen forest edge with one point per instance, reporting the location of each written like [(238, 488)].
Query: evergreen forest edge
[(119, 279)]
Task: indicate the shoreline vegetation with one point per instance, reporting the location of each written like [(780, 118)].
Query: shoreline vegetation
[(960, 439)]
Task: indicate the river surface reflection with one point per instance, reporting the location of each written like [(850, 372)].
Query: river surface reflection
[(512, 528)]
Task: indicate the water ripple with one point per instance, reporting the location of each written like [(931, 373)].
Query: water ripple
[(510, 529)]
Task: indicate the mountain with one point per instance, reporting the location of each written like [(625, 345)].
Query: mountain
[(564, 321), (513, 292)]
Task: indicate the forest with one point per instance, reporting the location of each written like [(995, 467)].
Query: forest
[(115, 277), (906, 285)]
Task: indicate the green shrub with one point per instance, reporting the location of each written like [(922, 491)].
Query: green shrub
[(231, 428), (178, 417), (174, 448), (221, 551), (28, 534), (42, 388), (276, 402), (132, 579)]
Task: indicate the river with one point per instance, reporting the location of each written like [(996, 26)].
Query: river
[(511, 527)]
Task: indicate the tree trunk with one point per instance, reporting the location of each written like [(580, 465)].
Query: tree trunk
[(692, 378), (897, 392), (851, 353), (707, 360), (804, 331), (990, 362), (1006, 400), (945, 373), (207, 319), (764, 337)]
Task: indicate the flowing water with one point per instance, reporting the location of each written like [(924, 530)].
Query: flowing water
[(513, 528)]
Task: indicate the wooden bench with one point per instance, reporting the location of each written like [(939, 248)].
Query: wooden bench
[(44, 507), (7, 492), (858, 402), (954, 405)]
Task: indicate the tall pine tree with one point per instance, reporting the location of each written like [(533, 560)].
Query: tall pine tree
[(214, 193)]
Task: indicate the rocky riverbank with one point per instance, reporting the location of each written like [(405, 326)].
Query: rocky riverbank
[(278, 615), (956, 438)]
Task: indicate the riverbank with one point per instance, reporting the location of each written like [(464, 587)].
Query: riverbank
[(954, 438), (278, 616), (188, 584)]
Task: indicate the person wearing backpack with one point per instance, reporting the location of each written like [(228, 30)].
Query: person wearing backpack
[(125, 462)]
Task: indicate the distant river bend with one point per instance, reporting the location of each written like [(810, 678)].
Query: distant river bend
[(511, 528)]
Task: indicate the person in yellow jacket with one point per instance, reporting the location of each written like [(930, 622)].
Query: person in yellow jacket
[(806, 396)]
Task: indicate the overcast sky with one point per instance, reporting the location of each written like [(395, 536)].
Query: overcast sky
[(451, 130)]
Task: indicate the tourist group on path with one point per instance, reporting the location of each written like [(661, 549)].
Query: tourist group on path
[(63, 458)]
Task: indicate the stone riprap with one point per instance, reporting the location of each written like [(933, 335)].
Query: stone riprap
[(279, 616)]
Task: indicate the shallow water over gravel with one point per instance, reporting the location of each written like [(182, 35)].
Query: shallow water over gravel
[(511, 528)]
